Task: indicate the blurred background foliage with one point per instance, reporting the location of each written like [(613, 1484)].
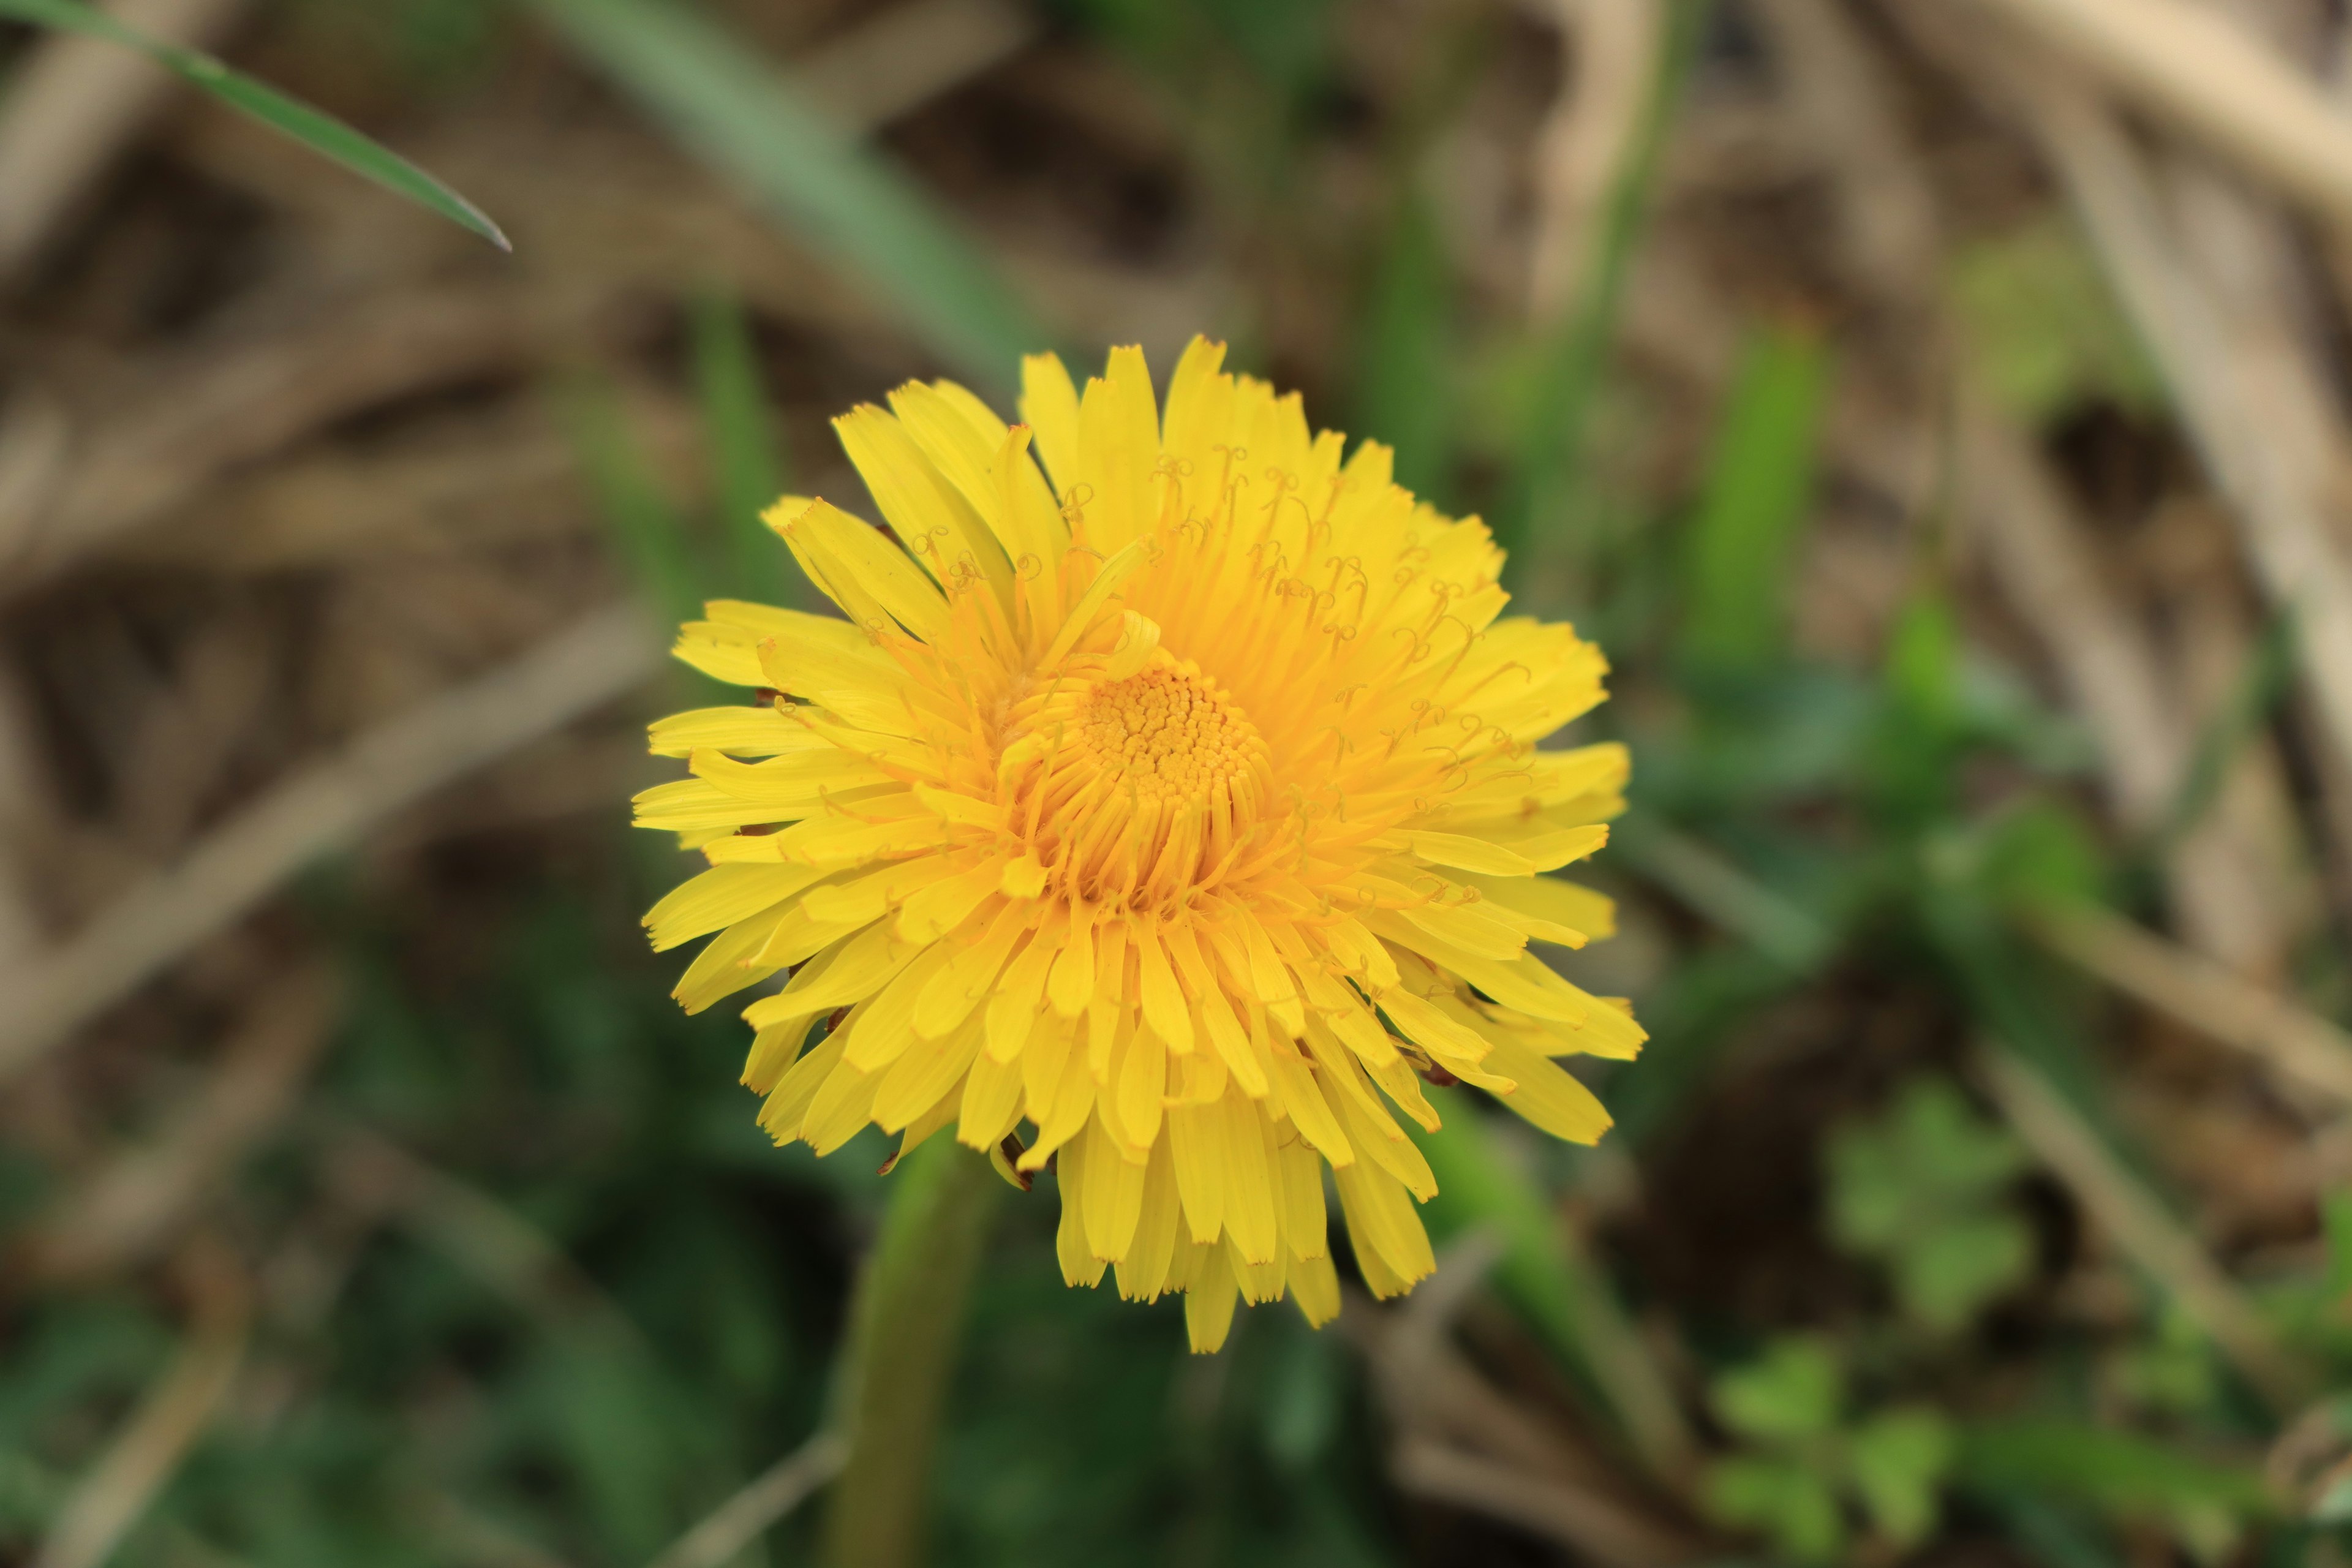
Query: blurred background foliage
[(1917, 408)]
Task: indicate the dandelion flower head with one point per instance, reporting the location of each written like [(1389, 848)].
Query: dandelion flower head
[(1172, 811)]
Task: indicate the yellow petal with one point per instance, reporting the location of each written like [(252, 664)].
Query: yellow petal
[(742, 731), (720, 897), (1049, 407), (930, 516), (863, 573), (1548, 1095)]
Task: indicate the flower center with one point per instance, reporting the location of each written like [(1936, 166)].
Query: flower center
[(1168, 732), (1135, 793)]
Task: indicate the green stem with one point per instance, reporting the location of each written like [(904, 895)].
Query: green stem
[(905, 1325)]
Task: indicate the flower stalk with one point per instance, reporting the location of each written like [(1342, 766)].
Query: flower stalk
[(906, 1321)]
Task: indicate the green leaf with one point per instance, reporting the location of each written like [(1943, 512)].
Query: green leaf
[(2264, 682), (736, 112), (2334, 1506), (1931, 1151), (739, 428), (1948, 1274), (1922, 727), (1923, 662), (1795, 1391), (597, 1403), (1477, 1186), (2336, 1224), (1404, 396), (1758, 490), (314, 128), (648, 534), (2044, 334), (2009, 989), (1305, 1400), (2041, 853), (2055, 1537), (735, 415), (1915, 1189), (2172, 1369), (2121, 1472), (1898, 1460), (1781, 1498)]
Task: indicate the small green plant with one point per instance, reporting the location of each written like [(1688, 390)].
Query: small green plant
[(2045, 336), (1920, 1190), (2167, 1371), (1808, 1463)]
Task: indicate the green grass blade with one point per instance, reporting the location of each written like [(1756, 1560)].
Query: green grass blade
[(2110, 1469), (1758, 488), (1725, 893), (1693, 1016), (2265, 681), (714, 93), (314, 128), (735, 415), (746, 464), (1403, 396), (646, 531)]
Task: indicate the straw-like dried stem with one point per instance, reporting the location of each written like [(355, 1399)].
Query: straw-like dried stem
[(2296, 1043), (2204, 70), (590, 663), (108, 1500), (2137, 1221)]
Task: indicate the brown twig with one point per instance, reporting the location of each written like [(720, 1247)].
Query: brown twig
[(2038, 549), (1585, 1522), (595, 659), (2205, 71), (1888, 225), (510, 476), (2139, 1225), (1587, 136), (741, 1519), (516, 1260), (72, 107), (912, 52), (103, 1508), (24, 808), (184, 739), (146, 1195), (232, 404), (471, 1537), (2257, 408), (35, 449), (1460, 1442), (2301, 1046)]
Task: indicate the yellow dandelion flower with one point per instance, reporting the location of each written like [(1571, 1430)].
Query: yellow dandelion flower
[(1188, 809)]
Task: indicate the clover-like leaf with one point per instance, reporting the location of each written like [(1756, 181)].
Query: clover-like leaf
[(1945, 1275), (1781, 1499), (1920, 1190), (1793, 1392), (1897, 1460)]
